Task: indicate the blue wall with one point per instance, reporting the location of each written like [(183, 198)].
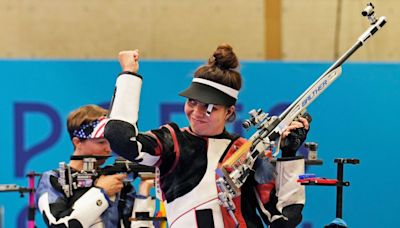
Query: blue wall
[(357, 117)]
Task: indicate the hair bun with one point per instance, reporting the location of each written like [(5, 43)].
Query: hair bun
[(224, 58)]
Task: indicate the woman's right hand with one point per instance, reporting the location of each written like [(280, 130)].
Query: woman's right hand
[(129, 60), (111, 184)]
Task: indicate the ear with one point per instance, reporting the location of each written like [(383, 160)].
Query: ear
[(76, 142), (229, 112)]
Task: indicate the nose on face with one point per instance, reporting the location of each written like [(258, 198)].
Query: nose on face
[(108, 149)]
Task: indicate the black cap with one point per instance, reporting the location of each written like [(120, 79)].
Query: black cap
[(208, 94)]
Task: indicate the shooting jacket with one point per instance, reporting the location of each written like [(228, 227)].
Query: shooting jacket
[(87, 207), (187, 165)]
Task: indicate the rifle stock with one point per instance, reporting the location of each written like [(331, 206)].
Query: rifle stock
[(239, 154)]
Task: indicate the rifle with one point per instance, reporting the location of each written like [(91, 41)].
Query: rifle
[(234, 172), (86, 178), (125, 166)]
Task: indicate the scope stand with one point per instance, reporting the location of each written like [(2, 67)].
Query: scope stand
[(22, 190), (31, 206), (338, 222)]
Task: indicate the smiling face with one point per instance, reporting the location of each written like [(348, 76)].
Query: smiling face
[(204, 125), (217, 82)]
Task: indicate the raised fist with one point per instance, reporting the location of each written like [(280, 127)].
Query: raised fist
[(129, 60)]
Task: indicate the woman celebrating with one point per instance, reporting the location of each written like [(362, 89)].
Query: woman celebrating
[(188, 157)]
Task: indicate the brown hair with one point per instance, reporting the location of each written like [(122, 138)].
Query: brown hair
[(83, 115), (221, 68)]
